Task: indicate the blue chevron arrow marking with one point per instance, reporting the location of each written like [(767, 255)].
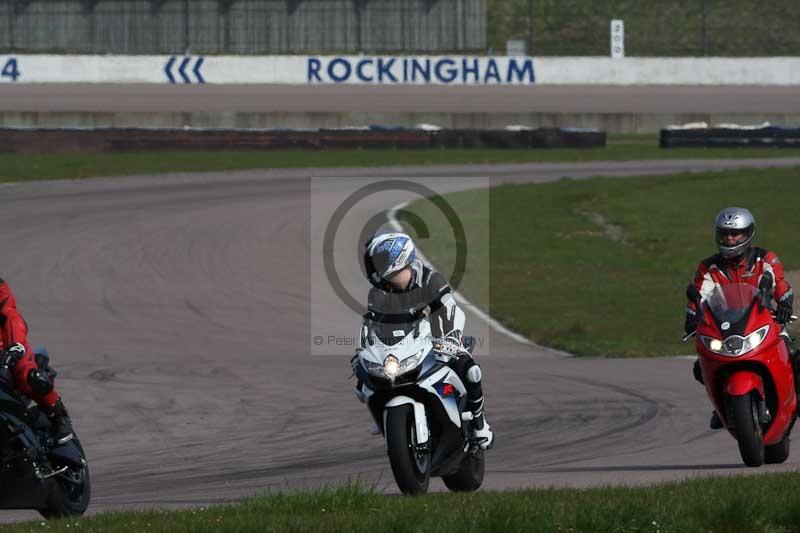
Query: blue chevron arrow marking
[(184, 64), (182, 70), (196, 70), (168, 69)]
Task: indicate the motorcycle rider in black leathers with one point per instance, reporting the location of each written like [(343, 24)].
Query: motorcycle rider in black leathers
[(404, 289)]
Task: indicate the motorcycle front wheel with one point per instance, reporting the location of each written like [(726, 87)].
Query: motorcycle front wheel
[(411, 467), (749, 434), (70, 493)]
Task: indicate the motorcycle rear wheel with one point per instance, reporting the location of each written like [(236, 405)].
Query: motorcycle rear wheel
[(749, 434), (777, 453), (469, 476), (412, 470)]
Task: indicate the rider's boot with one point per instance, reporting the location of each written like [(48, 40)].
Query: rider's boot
[(481, 432), (715, 422), (60, 423)]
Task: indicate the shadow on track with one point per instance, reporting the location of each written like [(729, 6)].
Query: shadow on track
[(643, 468)]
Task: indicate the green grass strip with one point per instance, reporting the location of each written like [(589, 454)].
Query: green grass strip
[(599, 267), (24, 167), (742, 503)]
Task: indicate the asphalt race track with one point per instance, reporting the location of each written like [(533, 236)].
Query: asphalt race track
[(395, 99), (177, 310)]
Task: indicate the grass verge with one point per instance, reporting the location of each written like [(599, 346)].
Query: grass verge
[(743, 503), (599, 267), (24, 167)]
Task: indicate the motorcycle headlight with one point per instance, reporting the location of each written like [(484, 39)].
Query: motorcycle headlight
[(736, 345), (375, 369), (411, 362), (391, 367)]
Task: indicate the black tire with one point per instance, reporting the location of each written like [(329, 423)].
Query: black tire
[(469, 476), (748, 431), (69, 493), (777, 453), (412, 472)]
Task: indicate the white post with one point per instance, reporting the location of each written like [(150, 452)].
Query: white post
[(515, 48), (617, 39)]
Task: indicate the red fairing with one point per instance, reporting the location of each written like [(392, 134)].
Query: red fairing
[(771, 356), (742, 382), (15, 330)]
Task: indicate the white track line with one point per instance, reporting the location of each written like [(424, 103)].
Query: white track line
[(494, 324)]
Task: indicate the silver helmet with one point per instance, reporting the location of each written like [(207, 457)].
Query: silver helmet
[(736, 221)]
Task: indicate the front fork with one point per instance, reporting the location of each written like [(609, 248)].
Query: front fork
[(745, 383), (763, 413)]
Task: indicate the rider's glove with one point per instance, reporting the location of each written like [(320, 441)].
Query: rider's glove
[(449, 347), (783, 314), (11, 355)]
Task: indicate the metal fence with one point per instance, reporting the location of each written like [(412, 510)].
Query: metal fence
[(242, 26), (652, 27)]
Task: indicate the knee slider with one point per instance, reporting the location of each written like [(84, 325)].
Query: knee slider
[(474, 374), (39, 382)]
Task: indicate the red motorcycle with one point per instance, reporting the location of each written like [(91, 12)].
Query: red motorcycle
[(747, 369)]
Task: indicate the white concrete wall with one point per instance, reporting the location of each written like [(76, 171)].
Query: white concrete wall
[(668, 71), (451, 70)]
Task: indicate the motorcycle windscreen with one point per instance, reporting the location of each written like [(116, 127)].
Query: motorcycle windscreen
[(731, 303), (392, 332)]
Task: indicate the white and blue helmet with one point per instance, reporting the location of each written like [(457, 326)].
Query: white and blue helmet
[(386, 254)]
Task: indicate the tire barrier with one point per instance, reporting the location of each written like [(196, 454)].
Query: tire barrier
[(34, 140), (768, 136)]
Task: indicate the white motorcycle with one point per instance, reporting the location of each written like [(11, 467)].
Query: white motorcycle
[(420, 405)]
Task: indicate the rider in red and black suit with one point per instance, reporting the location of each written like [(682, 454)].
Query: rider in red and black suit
[(18, 357), (740, 262)]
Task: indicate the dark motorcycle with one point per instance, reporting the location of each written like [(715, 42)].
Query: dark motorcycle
[(35, 471)]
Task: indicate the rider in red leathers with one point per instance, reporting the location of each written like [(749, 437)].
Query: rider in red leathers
[(740, 262), (17, 357)]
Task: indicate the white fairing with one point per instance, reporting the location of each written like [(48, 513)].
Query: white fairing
[(420, 419), (451, 377), (376, 352)]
